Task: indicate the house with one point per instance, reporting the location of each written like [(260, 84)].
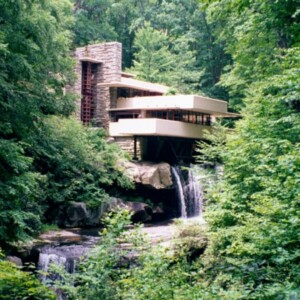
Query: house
[(142, 117)]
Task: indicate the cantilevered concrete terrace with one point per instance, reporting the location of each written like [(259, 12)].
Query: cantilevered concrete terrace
[(183, 102), (142, 116), (130, 83), (156, 127), (184, 116)]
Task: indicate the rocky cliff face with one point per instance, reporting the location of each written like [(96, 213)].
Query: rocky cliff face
[(152, 175), (77, 214)]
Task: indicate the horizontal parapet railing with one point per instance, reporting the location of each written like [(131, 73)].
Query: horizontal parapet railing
[(157, 127), (187, 102)]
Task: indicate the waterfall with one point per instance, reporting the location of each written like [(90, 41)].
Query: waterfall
[(189, 192), (194, 195), (65, 253), (179, 191), (66, 256), (45, 260)]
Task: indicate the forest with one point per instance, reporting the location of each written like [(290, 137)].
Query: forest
[(246, 52)]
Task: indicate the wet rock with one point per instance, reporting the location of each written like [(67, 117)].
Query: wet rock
[(158, 214), (77, 214), (141, 212), (158, 210), (155, 176)]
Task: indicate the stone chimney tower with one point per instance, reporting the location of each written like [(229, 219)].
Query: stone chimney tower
[(99, 63)]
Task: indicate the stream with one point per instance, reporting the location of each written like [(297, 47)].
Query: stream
[(67, 247), (64, 247)]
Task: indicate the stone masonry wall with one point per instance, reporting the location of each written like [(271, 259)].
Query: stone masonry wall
[(109, 70), (127, 144)]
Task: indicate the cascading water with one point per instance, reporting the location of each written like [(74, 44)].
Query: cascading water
[(65, 253), (45, 260), (65, 256), (179, 191), (189, 193), (194, 195)]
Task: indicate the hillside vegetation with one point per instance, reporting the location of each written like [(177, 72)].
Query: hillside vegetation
[(246, 52)]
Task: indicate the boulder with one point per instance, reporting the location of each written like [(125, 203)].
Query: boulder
[(141, 212), (77, 214), (153, 175), (158, 214)]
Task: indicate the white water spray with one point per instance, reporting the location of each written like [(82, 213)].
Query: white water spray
[(179, 191), (189, 193)]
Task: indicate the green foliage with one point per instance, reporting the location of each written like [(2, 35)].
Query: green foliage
[(193, 39), (153, 59), (255, 33), (254, 217), (49, 227), (34, 65), (19, 193), (170, 272), (211, 150), (92, 23), (19, 285), (99, 271), (185, 55), (190, 239), (156, 61), (79, 165)]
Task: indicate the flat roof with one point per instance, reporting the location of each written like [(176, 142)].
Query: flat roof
[(90, 59), (193, 103), (128, 75), (138, 85), (157, 127)]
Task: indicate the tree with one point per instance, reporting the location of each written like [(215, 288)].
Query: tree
[(153, 60), (92, 22), (34, 66), (186, 24), (254, 217), (255, 34)]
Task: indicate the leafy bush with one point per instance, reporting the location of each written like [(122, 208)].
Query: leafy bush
[(254, 216), (80, 166), (154, 273), (164, 273), (190, 239), (21, 201), (62, 162), (19, 285)]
